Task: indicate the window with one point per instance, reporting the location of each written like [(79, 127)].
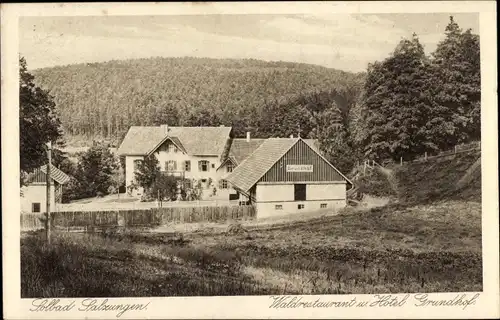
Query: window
[(300, 206), (222, 184), (278, 207), (170, 165), (187, 165), (300, 192), (188, 184), (35, 207), (137, 163), (203, 165), (234, 196), (213, 165), (172, 148), (323, 205), (229, 167)]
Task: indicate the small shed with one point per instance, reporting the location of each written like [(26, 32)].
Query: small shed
[(287, 175), (34, 194)]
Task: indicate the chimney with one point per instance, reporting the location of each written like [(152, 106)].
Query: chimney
[(165, 128), (248, 136), (291, 136)]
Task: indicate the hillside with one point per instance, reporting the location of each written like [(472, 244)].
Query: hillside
[(439, 179), (455, 177), (104, 99)]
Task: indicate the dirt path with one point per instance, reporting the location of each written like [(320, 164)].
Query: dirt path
[(469, 174), (390, 177)]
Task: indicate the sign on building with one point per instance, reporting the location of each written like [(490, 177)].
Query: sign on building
[(299, 168)]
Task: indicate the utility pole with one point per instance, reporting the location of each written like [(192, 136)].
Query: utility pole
[(47, 221)]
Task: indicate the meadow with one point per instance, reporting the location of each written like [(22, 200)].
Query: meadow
[(394, 248)]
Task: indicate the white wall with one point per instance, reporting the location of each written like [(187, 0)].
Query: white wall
[(129, 168), (37, 193), (268, 209), (326, 191), (180, 158), (270, 195), (275, 192)]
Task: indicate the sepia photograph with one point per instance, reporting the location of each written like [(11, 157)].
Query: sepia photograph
[(246, 154)]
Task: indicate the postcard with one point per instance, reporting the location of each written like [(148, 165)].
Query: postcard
[(250, 160)]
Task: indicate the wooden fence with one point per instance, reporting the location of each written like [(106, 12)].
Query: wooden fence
[(458, 149), (139, 218), (32, 221)]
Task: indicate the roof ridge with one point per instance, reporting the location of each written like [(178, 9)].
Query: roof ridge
[(274, 162)]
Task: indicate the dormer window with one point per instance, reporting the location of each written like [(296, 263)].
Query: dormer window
[(229, 167)]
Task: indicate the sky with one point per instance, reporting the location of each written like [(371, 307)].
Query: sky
[(342, 41)]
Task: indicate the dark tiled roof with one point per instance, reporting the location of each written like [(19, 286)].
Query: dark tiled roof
[(251, 169), (245, 175), (241, 148), (40, 174), (195, 140)]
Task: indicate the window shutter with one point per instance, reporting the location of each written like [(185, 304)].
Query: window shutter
[(175, 165), (208, 166)]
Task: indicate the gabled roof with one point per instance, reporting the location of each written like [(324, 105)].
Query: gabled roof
[(174, 140), (208, 141), (40, 174), (248, 173), (259, 162), (241, 148)]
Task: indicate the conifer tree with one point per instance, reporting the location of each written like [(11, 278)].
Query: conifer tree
[(456, 87), (396, 104)]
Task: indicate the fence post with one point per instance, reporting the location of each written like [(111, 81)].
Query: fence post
[(426, 156), (455, 149), (401, 161)]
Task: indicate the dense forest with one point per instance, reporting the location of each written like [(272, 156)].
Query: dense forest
[(104, 99), (403, 106)]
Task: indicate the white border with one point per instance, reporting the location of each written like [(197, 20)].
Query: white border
[(487, 305)]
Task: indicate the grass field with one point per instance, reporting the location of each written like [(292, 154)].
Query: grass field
[(427, 240), (389, 249)]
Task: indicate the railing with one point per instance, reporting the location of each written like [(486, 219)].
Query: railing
[(461, 148), (174, 173)]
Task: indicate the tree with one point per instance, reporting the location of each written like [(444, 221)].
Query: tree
[(118, 180), (397, 104), (61, 160), (335, 144), (96, 168), (38, 121), (147, 171), (164, 187), (456, 87), (202, 118)]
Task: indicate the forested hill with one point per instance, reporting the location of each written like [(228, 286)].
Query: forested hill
[(104, 99)]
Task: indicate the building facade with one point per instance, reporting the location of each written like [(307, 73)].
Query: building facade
[(34, 194), (192, 153), (210, 155), (287, 175)]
